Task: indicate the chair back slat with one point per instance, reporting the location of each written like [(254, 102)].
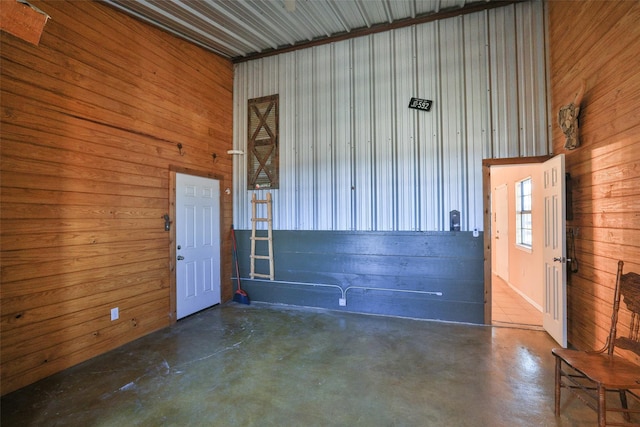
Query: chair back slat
[(634, 329), (611, 339), (629, 289)]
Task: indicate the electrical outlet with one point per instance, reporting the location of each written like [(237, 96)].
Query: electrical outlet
[(115, 314), (342, 302)]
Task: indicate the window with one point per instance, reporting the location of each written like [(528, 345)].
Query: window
[(262, 159), (523, 213)]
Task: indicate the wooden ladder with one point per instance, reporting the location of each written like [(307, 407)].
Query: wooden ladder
[(268, 238)]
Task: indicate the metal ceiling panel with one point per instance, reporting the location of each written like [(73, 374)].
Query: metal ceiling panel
[(241, 28)]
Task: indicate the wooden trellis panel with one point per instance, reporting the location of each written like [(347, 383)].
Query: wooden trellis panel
[(262, 161)]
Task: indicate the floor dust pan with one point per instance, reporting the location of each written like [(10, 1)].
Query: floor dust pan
[(240, 295)]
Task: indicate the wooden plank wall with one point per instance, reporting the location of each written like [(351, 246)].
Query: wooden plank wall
[(599, 42), (91, 120)]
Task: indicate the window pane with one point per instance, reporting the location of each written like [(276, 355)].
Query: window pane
[(523, 212)]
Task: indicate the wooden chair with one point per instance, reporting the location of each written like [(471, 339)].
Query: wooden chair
[(590, 375)]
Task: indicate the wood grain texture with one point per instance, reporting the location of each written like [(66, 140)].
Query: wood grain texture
[(598, 42), (91, 119)]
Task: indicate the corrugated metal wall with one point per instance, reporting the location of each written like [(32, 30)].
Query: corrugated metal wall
[(353, 156)]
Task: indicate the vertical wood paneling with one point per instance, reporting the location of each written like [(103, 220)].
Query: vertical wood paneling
[(409, 168), (91, 119), (598, 42)]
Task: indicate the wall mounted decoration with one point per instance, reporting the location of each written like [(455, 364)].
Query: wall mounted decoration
[(568, 120), (420, 104), (262, 162)]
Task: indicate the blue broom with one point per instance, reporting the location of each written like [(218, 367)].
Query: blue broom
[(240, 295)]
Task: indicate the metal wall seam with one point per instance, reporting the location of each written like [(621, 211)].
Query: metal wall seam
[(363, 125), (477, 120), (406, 173), (341, 111), (430, 126)]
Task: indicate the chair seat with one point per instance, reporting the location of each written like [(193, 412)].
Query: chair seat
[(601, 368)]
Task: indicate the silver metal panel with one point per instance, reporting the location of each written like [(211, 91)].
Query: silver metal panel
[(384, 159), (429, 128), (287, 195), (504, 83), (353, 156), (362, 125), (405, 201), (342, 136), (303, 101), (477, 117)]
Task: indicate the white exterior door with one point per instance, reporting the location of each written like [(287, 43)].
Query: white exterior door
[(502, 232), (554, 252), (197, 243)]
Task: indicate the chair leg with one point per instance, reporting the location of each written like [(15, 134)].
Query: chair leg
[(602, 406), (623, 401), (558, 383)]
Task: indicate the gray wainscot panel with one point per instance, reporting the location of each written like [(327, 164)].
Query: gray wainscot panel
[(425, 275)]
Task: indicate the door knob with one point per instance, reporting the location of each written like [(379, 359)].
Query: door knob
[(180, 257)]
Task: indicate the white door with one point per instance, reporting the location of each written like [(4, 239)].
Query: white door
[(502, 232), (197, 243), (554, 251)]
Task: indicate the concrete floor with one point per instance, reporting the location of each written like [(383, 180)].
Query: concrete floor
[(264, 365)]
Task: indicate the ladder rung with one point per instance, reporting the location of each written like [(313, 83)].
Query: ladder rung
[(268, 220)]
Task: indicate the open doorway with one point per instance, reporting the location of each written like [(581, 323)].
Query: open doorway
[(516, 275), (538, 271), (513, 274)]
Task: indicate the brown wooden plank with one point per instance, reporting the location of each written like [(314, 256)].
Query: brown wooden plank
[(102, 342), (42, 161), (46, 122), (46, 268), (52, 198), (23, 227), (68, 279), (119, 248), (50, 211), (24, 340), (603, 39), (90, 126), (56, 239)]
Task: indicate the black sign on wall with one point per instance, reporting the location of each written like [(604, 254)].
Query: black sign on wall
[(420, 104)]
